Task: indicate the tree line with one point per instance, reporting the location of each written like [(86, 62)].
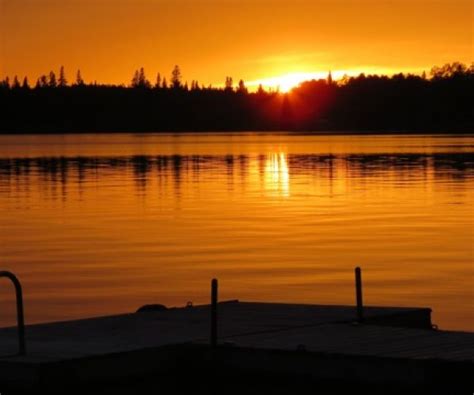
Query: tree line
[(139, 80), (440, 102)]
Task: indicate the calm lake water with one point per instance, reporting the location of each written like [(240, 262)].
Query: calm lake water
[(101, 224)]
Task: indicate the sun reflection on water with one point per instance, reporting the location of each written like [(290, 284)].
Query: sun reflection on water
[(277, 175)]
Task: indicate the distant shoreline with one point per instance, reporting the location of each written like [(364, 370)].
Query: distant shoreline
[(281, 132), (372, 104)]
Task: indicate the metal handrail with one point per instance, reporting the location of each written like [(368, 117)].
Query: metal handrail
[(359, 302), (19, 310), (214, 302)]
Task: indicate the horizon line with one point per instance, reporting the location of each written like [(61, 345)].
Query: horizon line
[(272, 83)]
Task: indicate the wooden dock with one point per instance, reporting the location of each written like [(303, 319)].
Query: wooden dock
[(322, 342)]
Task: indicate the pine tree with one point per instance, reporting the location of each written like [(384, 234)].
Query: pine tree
[(158, 81), (135, 79), (242, 88), (16, 83), (52, 82), (79, 79), (176, 77), (164, 84), (142, 80), (42, 82), (329, 80), (62, 82), (25, 84), (139, 79), (5, 84), (229, 84)]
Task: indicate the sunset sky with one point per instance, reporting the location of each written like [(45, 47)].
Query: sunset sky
[(254, 40)]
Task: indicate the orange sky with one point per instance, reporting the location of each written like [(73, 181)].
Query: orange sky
[(248, 39)]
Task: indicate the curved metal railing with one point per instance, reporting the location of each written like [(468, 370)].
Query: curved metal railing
[(19, 310)]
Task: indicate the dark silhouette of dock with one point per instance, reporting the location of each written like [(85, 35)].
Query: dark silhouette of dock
[(392, 345)]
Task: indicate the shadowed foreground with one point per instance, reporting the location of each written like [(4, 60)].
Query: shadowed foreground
[(262, 347)]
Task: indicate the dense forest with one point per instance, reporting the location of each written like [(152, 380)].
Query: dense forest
[(440, 102)]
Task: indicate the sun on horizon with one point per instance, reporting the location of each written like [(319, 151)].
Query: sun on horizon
[(286, 82)]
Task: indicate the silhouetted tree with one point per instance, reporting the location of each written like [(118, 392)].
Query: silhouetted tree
[(135, 79), (194, 85), (139, 79), (449, 70), (164, 85), (52, 82), (363, 102), (176, 77), (329, 80), (158, 81), (344, 80), (42, 82), (62, 82), (79, 79), (16, 83), (5, 83), (142, 80), (25, 84), (229, 84), (242, 88)]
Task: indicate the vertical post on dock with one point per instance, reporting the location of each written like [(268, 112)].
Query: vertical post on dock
[(19, 310), (360, 305), (214, 289)]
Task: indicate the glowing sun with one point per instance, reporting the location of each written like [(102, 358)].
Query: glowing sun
[(286, 82)]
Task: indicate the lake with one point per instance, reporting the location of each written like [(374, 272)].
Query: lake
[(102, 224)]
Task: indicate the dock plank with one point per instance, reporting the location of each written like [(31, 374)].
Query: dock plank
[(128, 342), (97, 336), (369, 340)]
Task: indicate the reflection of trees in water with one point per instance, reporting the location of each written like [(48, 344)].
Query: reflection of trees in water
[(451, 165), (61, 170), (141, 167)]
